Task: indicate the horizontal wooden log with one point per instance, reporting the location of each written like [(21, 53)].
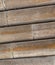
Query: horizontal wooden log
[(9, 4), (43, 26), (27, 15), (35, 48), (5, 51), (30, 61), (27, 49), (43, 30), (31, 15), (3, 19), (15, 33), (27, 32)]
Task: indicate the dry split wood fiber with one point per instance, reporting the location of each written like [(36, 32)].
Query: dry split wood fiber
[(3, 19), (10, 4), (30, 61), (5, 51), (28, 49), (34, 48), (15, 33), (37, 14), (27, 32), (31, 15), (43, 30), (2, 5)]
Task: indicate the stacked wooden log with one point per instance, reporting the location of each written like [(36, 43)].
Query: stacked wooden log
[(30, 61), (27, 30)]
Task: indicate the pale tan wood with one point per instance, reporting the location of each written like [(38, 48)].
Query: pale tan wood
[(28, 49), (30, 61), (1, 5), (43, 30), (43, 26), (34, 48), (5, 51), (15, 33), (27, 15), (3, 18), (31, 15), (9, 4), (27, 32)]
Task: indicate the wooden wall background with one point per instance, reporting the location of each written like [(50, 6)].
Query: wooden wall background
[(30, 61), (27, 32)]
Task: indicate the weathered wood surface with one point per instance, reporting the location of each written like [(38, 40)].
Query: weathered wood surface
[(9, 4), (5, 51), (3, 19), (34, 48), (1, 5), (31, 15), (15, 33), (27, 49), (27, 15), (43, 30), (30, 61), (27, 32)]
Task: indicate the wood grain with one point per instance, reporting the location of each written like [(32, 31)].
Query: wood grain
[(5, 51), (31, 15), (35, 48), (15, 33), (28, 49), (43, 30), (27, 32), (9, 4), (1, 5), (30, 61), (27, 15), (3, 18)]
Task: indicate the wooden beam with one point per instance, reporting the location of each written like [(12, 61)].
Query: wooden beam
[(1, 5), (43, 30), (3, 19), (12, 4), (5, 51), (8, 34), (9, 4), (27, 32), (31, 15), (27, 49), (35, 48), (30, 61)]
